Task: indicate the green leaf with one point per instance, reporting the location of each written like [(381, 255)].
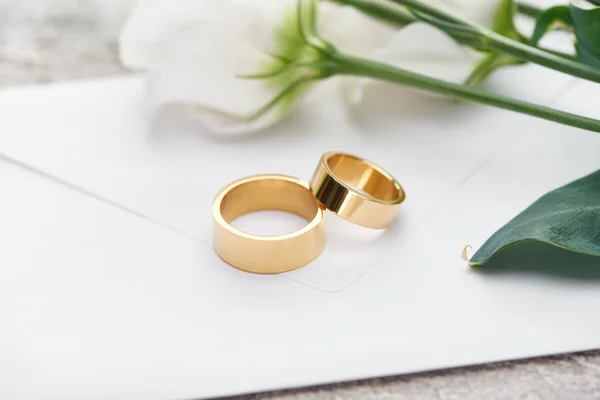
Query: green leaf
[(568, 218), (549, 20), (586, 21)]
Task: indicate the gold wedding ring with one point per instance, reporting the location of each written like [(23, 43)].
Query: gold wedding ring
[(268, 254), (357, 190)]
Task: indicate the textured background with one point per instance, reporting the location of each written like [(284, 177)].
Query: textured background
[(51, 40)]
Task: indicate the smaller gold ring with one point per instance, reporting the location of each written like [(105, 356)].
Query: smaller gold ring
[(267, 254), (357, 190)]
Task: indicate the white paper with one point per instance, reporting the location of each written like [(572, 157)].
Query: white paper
[(111, 290), (169, 171)]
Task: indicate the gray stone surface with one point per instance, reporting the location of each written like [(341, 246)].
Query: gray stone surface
[(52, 40), (565, 377)]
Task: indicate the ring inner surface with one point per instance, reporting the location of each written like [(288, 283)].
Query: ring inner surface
[(269, 194), (359, 174)]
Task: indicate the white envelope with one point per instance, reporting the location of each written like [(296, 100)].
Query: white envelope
[(110, 288)]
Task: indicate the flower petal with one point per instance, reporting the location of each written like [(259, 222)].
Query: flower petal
[(201, 75), (338, 25), (154, 24), (418, 48), (194, 51)]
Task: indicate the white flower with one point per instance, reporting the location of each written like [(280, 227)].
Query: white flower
[(199, 54), (239, 65), (423, 49)]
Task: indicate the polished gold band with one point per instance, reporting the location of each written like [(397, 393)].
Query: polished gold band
[(357, 190), (268, 254)]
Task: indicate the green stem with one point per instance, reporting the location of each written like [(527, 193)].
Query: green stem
[(532, 54), (567, 56), (349, 65), (529, 10), (397, 17), (524, 52), (391, 15), (429, 10)]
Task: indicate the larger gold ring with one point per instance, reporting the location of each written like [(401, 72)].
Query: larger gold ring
[(357, 190), (268, 254)]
